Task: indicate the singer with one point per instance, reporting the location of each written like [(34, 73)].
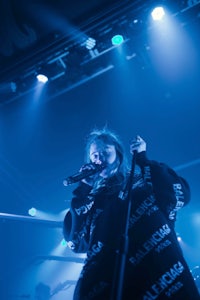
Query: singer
[(155, 267)]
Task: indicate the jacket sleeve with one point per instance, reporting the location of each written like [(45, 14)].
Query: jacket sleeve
[(171, 191), (77, 220)]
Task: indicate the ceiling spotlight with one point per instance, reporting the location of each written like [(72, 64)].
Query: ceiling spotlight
[(90, 43), (117, 40), (158, 13), (42, 78)]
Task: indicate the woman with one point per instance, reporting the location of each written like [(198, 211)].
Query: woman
[(155, 267)]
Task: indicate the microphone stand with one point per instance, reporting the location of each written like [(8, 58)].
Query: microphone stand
[(118, 281)]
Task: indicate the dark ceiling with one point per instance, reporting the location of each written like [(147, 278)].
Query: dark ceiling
[(26, 23), (147, 86)]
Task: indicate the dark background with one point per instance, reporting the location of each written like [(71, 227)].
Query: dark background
[(42, 136)]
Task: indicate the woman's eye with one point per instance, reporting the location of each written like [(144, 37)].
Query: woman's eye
[(107, 151), (94, 156)]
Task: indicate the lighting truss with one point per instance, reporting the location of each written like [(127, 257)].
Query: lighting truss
[(69, 61)]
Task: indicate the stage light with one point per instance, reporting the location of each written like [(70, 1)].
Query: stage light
[(117, 40), (158, 13), (32, 212), (135, 21), (63, 243), (42, 78), (179, 238), (90, 43)]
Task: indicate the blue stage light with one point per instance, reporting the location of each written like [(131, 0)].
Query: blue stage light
[(63, 243), (32, 212), (117, 40)]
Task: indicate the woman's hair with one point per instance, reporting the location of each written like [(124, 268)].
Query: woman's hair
[(110, 138)]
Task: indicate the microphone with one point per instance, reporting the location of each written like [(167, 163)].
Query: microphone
[(83, 174)]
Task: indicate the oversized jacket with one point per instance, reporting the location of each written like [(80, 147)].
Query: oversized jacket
[(155, 266)]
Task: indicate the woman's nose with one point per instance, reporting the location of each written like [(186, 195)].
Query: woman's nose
[(99, 157)]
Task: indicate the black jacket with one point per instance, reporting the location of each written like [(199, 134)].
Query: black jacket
[(155, 266)]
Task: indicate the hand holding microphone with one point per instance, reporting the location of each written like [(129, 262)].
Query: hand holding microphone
[(85, 172)]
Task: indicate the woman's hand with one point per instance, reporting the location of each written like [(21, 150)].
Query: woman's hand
[(89, 179), (138, 145)]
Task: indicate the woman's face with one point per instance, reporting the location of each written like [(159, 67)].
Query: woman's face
[(101, 152)]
